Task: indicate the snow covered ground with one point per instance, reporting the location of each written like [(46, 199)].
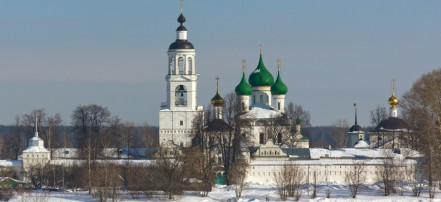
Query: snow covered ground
[(253, 192)]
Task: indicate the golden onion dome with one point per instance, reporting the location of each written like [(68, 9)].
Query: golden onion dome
[(393, 101), (217, 100)]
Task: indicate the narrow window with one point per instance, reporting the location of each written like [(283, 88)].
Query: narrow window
[(279, 138), (261, 99), (261, 138), (173, 66), (254, 98), (181, 123), (278, 105), (190, 64), (181, 65)]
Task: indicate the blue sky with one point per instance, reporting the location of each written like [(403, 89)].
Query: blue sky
[(60, 54)]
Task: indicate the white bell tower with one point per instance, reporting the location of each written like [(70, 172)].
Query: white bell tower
[(177, 113)]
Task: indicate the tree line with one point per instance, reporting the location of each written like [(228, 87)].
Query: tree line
[(93, 128)]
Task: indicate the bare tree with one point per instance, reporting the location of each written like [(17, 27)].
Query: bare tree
[(17, 141), (88, 121), (52, 135), (377, 115), (113, 135), (229, 139), (169, 171), (28, 122), (297, 112), (148, 136), (37, 174), (278, 129), (387, 172), (129, 136), (200, 165), (314, 185), (422, 106), (338, 133), (238, 174), (356, 177), (328, 188), (289, 181), (106, 180)]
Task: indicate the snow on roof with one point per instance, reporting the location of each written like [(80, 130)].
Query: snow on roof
[(261, 111), (9, 163), (73, 153), (325, 162), (361, 144), (119, 162), (317, 153), (33, 149)]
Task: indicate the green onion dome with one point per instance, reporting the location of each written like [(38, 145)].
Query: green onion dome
[(261, 76), (243, 88), (279, 88)]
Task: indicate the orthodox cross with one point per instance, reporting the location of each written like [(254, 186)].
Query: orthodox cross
[(181, 6), (393, 86), (278, 64), (243, 64), (217, 83)]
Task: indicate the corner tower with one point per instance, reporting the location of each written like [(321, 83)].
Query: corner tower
[(177, 113)]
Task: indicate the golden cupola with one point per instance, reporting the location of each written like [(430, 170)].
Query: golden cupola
[(217, 100), (393, 101)]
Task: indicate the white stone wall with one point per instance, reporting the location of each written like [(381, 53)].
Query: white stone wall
[(35, 158), (176, 126), (263, 171)]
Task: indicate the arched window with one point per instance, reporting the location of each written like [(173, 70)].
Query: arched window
[(181, 65), (279, 138), (181, 96), (173, 66), (190, 65)]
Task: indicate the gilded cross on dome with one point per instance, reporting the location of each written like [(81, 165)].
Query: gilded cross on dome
[(217, 83), (243, 64), (278, 64), (393, 86)]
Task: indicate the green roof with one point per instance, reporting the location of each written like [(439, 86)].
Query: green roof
[(243, 88), (261, 76), (279, 88)]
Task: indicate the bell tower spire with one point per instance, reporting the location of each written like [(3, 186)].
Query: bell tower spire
[(180, 107), (36, 125)]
